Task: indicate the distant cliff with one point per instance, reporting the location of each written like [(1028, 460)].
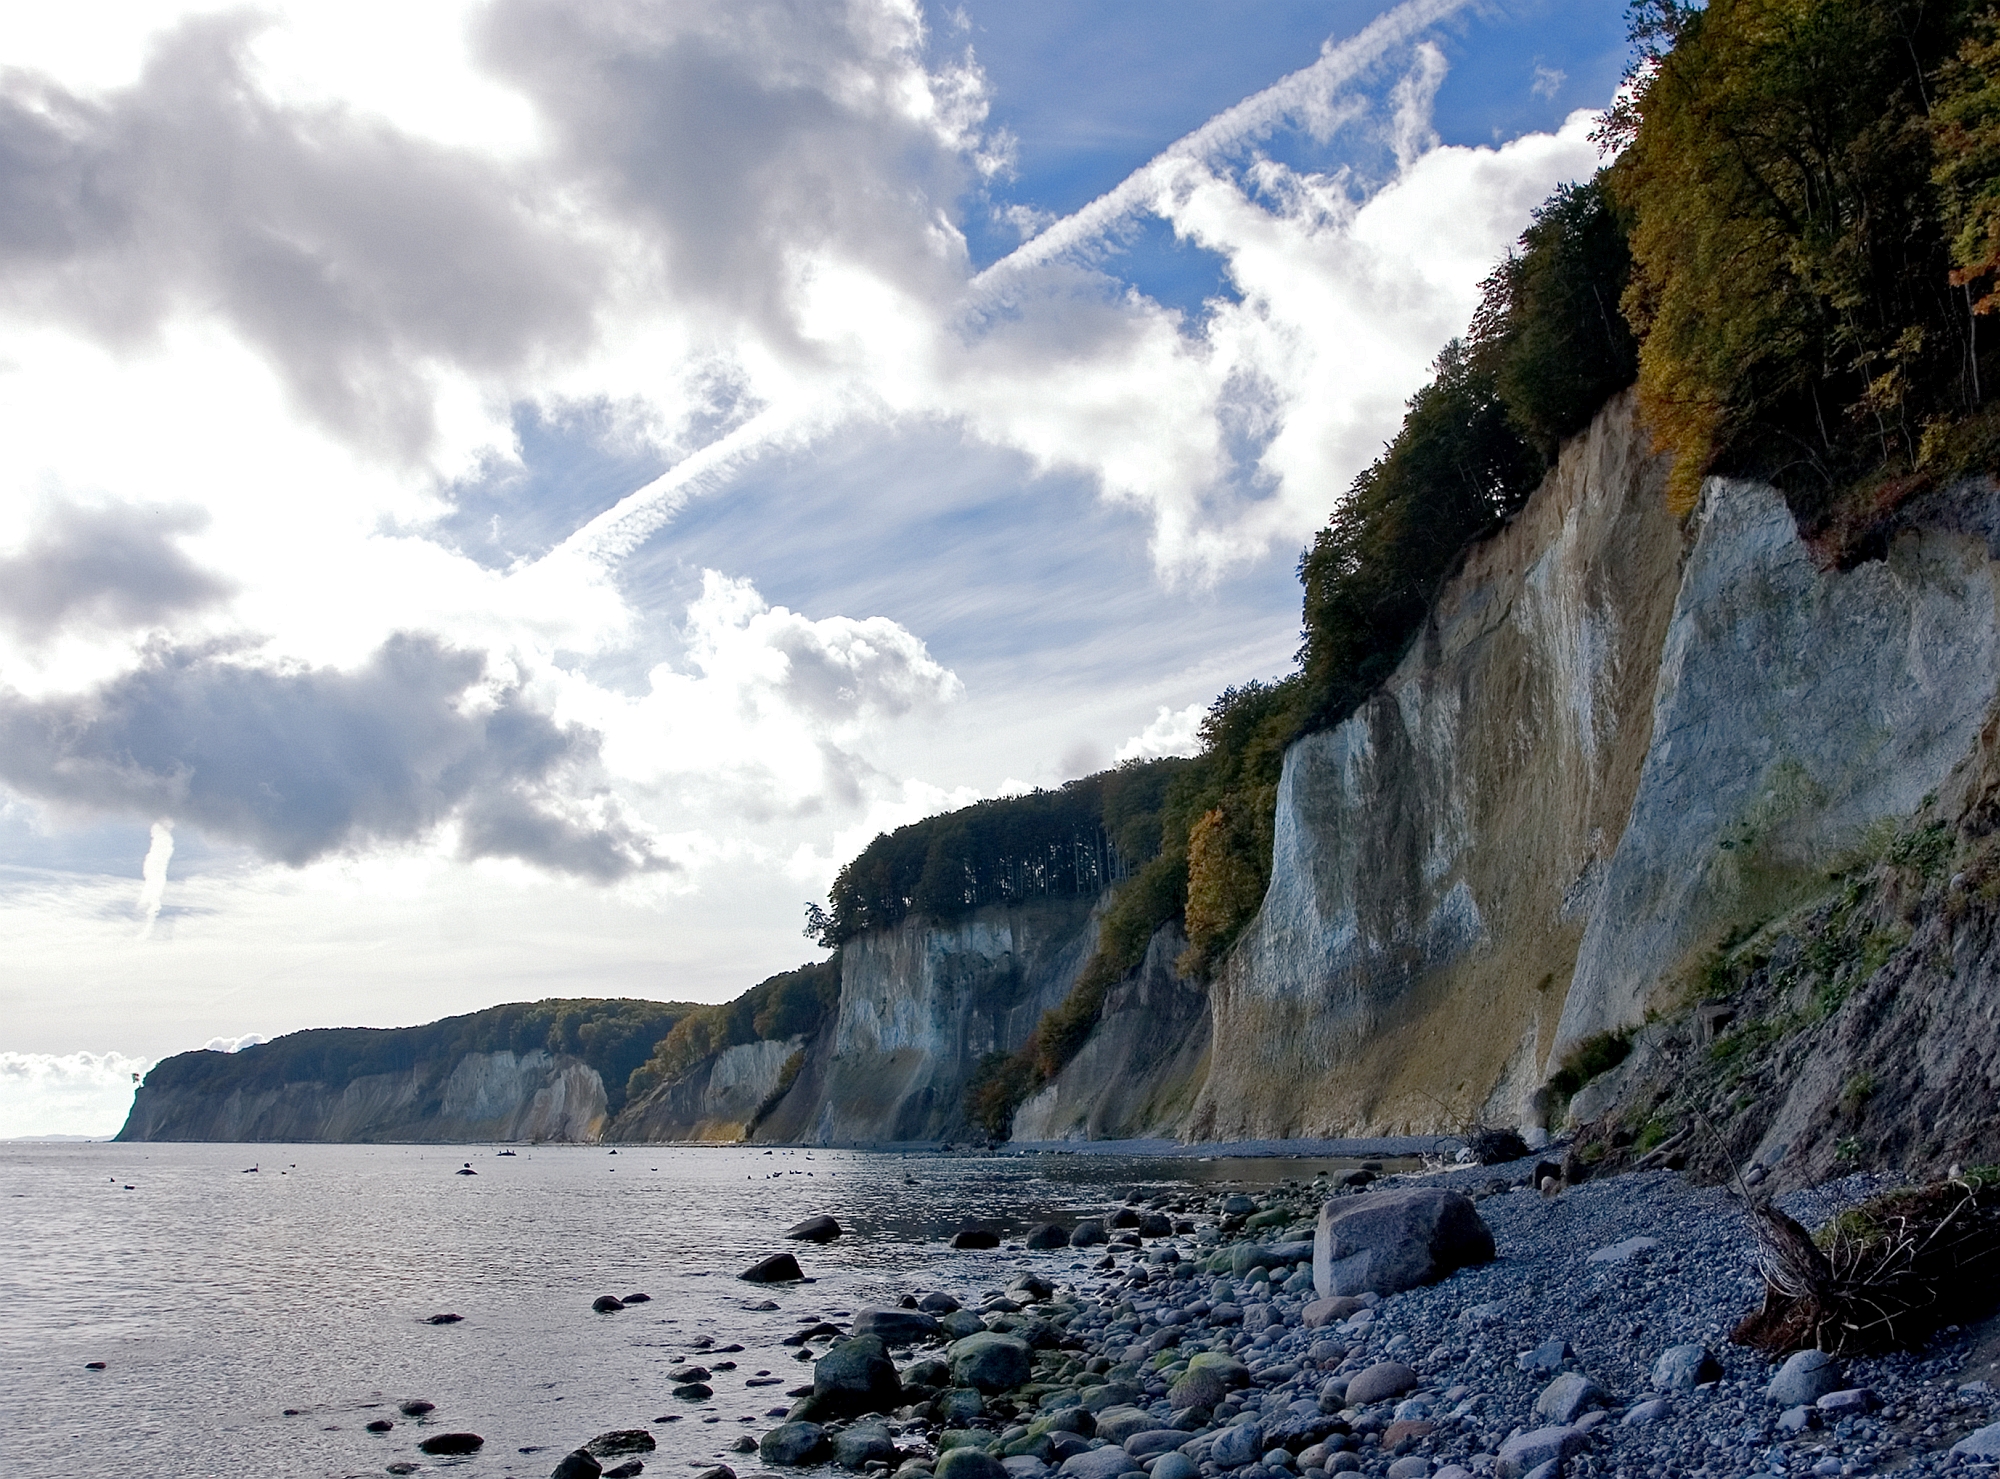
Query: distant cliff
[(921, 1005), (551, 1070)]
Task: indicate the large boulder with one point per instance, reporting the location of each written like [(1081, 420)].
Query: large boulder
[(779, 1268), (442, 1444), (820, 1229), (1116, 1424), (1047, 1235), (855, 1376), (1239, 1445), (1098, 1463), (578, 1465), (622, 1440), (1682, 1368), (969, 1463), (1380, 1382), (991, 1362), (960, 1323), (897, 1327), (1565, 1399), (1203, 1387), (1395, 1240), (1805, 1377), (794, 1443), (862, 1444), (1526, 1452)]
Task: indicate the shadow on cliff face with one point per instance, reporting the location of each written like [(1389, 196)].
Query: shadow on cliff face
[(1852, 1032)]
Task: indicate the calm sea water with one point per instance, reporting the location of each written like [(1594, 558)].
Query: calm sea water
[(217, 1299)]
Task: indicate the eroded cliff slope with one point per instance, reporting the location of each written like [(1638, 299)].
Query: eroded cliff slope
[(1620, 744)]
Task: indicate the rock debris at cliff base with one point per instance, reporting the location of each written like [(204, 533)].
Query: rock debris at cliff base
[(1596, 1339)]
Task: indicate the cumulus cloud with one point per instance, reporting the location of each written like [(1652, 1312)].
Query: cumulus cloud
[(299, 762), (111, 566), (233, 1044), (1172, 732), (359, 260), (68, 1093), (771, 712), (755, 145)]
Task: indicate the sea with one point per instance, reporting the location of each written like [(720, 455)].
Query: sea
[(255, 1306)]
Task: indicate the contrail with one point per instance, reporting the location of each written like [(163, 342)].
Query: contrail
[(153, 876), (633, 519), (1306, 95)]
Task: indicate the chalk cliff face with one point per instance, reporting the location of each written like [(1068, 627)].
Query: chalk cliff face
[(1439, 855), (1616, 743), (1142, 1066), (722, 1099), (1795, 711), (1620, 742), (476, 1097), (920, 1005)]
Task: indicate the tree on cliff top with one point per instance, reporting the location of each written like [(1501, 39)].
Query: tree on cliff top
[(1792, 285)]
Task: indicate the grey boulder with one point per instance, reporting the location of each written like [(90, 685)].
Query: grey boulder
[(1098, 1463), (853, 1377), (1982, 1444), (1046, 1236), (1116, 1424), (821, 1229), (1086, 1233), (1523, 1453), (1682, 1368), (1379, 1383), (1234, 1447), (789, 1444), (1805, 1377), (1174, 1466), (991, 1362), (862, 1444), (1567, 1397), (577, 1465), (1395, 1240), (897, 1327)]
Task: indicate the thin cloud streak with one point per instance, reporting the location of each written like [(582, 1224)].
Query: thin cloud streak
[(1306, 95)]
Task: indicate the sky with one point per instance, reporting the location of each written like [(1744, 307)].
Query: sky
[(502, 500)]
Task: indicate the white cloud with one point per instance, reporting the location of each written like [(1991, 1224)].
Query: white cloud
[(772, 712), (1172, 732), (233, 1044), (269, 296), (66, 1094)]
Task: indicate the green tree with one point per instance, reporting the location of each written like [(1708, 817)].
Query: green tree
[(1791, 279)]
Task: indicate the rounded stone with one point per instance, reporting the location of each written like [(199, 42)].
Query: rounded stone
[(447, 1443), (790, 1444), (779, 1268), (1805, 1377), (1682, 1368), (969, 1463), (1380, 1382), (991, 1362)]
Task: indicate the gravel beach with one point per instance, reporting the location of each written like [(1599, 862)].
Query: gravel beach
[(1182, 1335)]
